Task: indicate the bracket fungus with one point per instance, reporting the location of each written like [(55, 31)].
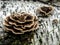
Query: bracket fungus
[(45, 10), (19, 23), (55, 21)]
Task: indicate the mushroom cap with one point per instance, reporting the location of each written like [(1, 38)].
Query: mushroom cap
[(55, 21), (45, 10), (19, 23)]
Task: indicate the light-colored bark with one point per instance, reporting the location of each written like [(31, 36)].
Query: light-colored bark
[(47, 33)]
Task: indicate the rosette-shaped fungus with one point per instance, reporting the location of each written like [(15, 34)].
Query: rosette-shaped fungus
[(45, 10), (19, 23)]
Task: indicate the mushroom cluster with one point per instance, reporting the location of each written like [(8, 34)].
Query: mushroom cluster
[(19, 23), (45, 10)]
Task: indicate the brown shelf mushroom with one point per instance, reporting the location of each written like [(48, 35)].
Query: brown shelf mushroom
[(55, 21), (45, 10), (19, 23)]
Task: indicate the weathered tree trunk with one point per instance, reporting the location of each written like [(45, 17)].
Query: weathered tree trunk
[(47, 34)]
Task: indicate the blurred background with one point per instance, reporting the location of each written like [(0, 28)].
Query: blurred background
[(52, 2)]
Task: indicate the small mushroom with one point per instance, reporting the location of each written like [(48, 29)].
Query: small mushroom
[(55, 21), (19, 23), (45, 11)]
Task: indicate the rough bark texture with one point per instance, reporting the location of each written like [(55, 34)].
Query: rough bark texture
[(47, 34)]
